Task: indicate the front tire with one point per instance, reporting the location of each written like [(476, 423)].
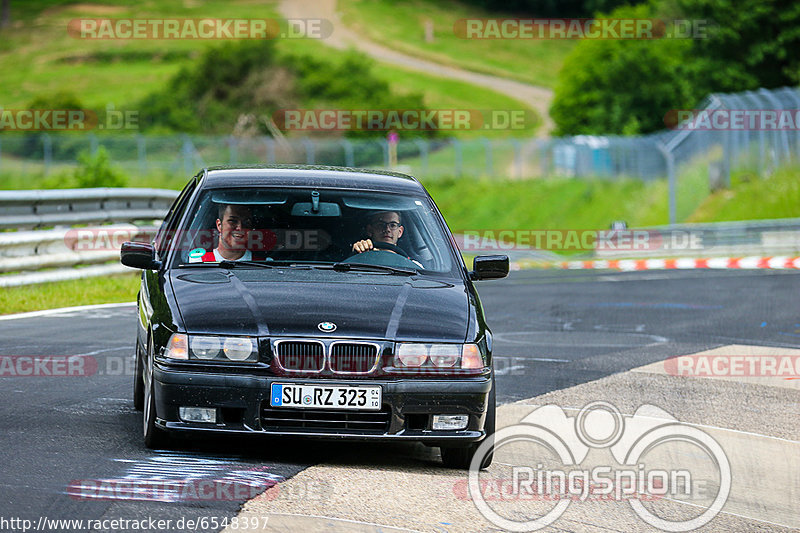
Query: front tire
[(461, 458), (138, 381), (154, 436)]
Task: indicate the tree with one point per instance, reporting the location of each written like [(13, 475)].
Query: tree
[(750, 43), (615, 86), (5, 14)]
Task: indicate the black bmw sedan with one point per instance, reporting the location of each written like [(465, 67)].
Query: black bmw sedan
[(313, 302)]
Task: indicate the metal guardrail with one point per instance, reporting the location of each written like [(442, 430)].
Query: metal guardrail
[(36, 256), (71, 249), (740, 238), (36, 209)]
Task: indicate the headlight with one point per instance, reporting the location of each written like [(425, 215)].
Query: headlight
[(209, 348), (238, 348), (438, 356), (444, 355), (412, 354), (205, 347)]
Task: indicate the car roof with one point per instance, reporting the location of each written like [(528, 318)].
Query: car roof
[(309, 176)]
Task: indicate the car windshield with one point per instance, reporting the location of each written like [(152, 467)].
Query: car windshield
[(316, 227)]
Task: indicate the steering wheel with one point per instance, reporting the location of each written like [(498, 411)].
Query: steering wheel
[(380, 245)]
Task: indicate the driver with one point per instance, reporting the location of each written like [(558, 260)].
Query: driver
[(234, 222), (383, 226)]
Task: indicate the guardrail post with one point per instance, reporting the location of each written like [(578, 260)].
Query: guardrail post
[(669, 158), (489, 163), (187, 155), (47, 148), (349, 156), (726, 157), (545, 157), (141, 152), (310, 154), (423, 154), (517, 157), (459, 159), (232, 150), (386, 156), (269, 142)]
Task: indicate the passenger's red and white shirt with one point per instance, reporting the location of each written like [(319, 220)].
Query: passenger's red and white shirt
[(201, 255)]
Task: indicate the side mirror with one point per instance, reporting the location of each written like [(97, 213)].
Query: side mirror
[(489, 267), (139, 255)]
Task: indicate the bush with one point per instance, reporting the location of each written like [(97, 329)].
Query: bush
[(249, 78), (750, 43), (609, 86), (95, 170), (551, 8)]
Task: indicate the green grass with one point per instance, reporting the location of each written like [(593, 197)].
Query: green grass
[(38, 57), (400, 25), (439, 93), (502, 204), (557, 203), (68, 293), (751, 198)]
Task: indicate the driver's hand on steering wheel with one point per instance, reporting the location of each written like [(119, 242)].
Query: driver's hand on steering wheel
[(363, 246)]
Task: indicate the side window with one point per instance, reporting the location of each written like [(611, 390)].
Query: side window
[(166, 232)]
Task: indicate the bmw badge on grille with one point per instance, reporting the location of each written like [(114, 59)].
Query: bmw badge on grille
[(327, 327)]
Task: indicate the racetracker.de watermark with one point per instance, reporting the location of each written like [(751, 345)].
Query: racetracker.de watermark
[(731, 365), (579, 28), (402, 119), (68, 119), (544, 464), (12, 366), (257, 240), (198, 28), (733, 119), (578, 240), (238, 486)]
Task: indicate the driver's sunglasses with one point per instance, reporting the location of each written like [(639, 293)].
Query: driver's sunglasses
[(380, 224)]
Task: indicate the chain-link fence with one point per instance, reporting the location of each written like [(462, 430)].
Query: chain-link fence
[(751, 131)]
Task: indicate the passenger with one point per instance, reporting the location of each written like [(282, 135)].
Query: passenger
[(234, 222)]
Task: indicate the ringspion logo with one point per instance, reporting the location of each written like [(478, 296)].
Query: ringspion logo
[(544, 460)]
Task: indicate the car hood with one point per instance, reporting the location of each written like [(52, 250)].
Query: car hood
[(289, 302)]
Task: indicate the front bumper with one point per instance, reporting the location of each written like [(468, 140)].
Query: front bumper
[(241, 400)]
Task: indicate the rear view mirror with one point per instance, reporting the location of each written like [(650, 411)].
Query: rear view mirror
[(323, 209), (489, 267), (139, 255)]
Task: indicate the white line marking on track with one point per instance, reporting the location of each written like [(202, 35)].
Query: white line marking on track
[(347, 520), (730, 513), (706, 426), (46, 312)]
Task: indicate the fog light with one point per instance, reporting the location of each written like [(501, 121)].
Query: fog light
[(198, 414), (450, 421)]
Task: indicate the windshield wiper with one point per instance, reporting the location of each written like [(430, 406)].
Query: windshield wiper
[(365, 267), (227, 263)]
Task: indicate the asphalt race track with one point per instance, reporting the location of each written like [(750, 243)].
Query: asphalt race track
[(71, 445)]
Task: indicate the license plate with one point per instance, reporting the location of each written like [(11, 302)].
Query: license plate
[(325, 397)]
